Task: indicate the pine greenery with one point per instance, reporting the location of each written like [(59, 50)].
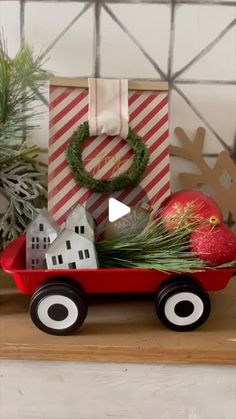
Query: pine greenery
[(20, 79), (22, 178), (153, 248)]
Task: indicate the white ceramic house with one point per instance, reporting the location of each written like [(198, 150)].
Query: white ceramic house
[(81, 222), (71, 250), (40, 233)]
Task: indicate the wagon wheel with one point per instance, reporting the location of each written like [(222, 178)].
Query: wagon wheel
[(182, 305), (58, 309)]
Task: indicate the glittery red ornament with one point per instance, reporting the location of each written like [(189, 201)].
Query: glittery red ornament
[(214, 245), (189, 208)]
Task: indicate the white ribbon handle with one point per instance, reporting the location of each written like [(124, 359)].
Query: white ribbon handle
[(108, 107)]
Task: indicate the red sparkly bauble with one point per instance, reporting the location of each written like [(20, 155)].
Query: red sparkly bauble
[(214, 245), (189, 207)]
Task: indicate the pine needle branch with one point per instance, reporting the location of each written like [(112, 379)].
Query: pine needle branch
[(22, 180), (20, 77), (153, 248), (23, 185)]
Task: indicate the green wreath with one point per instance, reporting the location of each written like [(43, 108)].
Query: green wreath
[(131, 177)]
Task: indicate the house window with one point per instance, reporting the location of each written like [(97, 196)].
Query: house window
[(40, 227), (68, 245), (81, 256), (46, 242), (35, 239), (86, 253), (60, 259), (77, 229), (82, 230), (54, 260), (32, 263), (72, 265), (32, 243)]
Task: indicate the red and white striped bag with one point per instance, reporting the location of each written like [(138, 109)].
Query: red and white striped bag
[(103, 156)]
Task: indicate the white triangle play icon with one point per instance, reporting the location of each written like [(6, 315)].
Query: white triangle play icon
[(116, 209)]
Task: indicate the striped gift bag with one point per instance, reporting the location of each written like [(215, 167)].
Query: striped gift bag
[(103, 156)]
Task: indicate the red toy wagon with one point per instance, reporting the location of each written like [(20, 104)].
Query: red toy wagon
[(58, 303)]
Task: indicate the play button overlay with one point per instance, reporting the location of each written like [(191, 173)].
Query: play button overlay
[(98, 205), (116, 209)]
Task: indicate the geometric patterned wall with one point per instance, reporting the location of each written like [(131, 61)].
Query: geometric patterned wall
[(191, 44)]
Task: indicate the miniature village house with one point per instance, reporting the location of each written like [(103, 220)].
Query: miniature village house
[(39, 235), (81, 222), (71, 250)]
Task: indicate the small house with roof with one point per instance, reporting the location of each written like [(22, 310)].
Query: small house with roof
[(81, 222), (71, 250), (40, 233)]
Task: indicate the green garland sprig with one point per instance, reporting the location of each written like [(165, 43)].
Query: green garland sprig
[(131, 177), (153, 248), (22, 182)]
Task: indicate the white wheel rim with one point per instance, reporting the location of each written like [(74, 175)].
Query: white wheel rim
[(171, 303), (48, 302)]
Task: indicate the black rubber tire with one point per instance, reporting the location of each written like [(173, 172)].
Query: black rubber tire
[(182, 305), (58, 309)]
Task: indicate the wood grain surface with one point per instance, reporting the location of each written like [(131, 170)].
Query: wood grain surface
[(119, 329), (95, 390)]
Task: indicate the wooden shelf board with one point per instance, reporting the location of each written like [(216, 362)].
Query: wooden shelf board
[(119, 329)]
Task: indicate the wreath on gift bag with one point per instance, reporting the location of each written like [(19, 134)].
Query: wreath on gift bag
[(131, 177)]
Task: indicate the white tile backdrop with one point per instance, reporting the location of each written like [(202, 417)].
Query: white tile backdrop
[(192, 44)]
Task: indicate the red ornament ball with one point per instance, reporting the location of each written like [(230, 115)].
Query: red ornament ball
[(214, 245), (186, 207)]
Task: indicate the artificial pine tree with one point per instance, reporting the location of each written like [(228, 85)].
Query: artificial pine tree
[(22, 177)]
